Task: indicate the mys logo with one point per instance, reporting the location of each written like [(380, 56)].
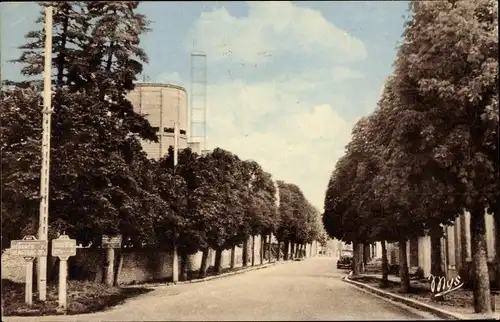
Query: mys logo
[(440, 286)]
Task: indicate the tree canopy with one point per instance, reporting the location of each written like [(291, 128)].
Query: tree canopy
[(429, 151)]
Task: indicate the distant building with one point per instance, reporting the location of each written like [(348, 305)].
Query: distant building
[(162, 105)]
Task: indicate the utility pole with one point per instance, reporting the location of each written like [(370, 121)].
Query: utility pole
[(44, 177)]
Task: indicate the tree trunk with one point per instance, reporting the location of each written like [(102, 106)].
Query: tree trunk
[(245, 253), (286, 246), (262, 248), (218, 261), (496, 218), (362, 258), (278, 252), (436, 259), (385, 265), (183, 267), (233, 257), (204, 263), (463, 242), (253, 250), (269, 248), (356, 259), (403, 267), (366, 253), (481, 279), (292, 250)]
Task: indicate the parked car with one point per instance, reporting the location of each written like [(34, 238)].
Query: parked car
[(345, 262)]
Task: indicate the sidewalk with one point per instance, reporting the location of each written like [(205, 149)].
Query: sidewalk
[(462, 313)]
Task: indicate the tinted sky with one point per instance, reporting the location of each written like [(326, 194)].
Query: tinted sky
[(286, 80)]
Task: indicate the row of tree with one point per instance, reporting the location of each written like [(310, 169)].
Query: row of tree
[(429, 151), (101, 181)]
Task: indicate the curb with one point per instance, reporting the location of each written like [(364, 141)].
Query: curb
[(409, 302), (208, 278)]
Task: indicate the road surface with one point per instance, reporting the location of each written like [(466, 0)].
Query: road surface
[(302, 291)]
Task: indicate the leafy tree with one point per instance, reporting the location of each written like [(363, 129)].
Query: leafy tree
[(449, 89), (287, 218), (296, 218), (93, 188), (360, 205), (182, 198), (261, 215), (219, 199), (20, 144)]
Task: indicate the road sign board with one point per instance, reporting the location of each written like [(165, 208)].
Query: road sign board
[(111, 241), (63, 247), (28, 247)]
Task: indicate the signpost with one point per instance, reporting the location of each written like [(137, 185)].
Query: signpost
[(29, 248), (110, 243), (63, 247)]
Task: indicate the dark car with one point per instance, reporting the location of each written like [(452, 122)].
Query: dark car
[(344, 262)]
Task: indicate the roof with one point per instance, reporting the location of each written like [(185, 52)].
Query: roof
[(141, 84)]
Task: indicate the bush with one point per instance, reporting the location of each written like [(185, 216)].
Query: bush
[(83, 297)]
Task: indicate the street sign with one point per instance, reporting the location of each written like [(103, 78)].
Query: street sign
[(111, 241), (28, 247), (63, 247)]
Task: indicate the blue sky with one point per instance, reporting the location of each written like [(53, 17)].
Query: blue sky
[(286, 80)]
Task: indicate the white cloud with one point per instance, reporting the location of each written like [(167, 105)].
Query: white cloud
[(343, 73), (270, 30), (170, 78), (300, 146), (289, 123)]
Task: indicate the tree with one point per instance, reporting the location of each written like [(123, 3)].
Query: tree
[(296, 218), (449, 85), (261, 216), (20, 162), (94, 145), (219, 201)]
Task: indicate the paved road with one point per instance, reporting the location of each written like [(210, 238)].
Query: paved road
[(300, 291)]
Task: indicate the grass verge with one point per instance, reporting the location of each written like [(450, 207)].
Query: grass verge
[(83, 297), (420, 290)]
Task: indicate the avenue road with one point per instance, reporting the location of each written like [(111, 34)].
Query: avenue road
[(302, 291)]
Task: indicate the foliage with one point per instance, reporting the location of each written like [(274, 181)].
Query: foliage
[(101, 181), (430, 149), (298, 218), (94, 148)]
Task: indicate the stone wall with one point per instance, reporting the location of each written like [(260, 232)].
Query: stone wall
[(135, 266)]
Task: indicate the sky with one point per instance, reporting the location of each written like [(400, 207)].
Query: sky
[(286, 81)]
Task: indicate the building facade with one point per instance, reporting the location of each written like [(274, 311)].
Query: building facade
[(162, 105), (456, 253)]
